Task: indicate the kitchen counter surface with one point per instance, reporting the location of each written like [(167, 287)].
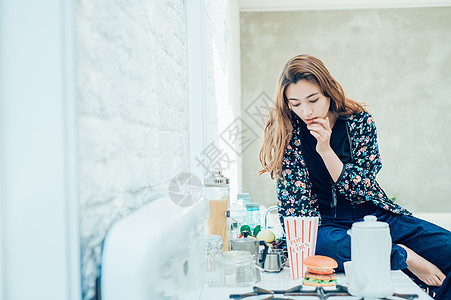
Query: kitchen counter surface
[(282, 280)]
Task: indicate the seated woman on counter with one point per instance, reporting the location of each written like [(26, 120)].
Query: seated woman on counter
[(322, 149)]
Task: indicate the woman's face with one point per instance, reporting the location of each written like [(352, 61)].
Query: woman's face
[(307, 101)]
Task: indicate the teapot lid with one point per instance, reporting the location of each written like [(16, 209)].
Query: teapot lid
[(370, 222)]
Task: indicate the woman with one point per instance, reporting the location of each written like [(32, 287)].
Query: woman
[(322, 149)]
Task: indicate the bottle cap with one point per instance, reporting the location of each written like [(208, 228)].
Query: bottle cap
[(243, 195), (252, 206)]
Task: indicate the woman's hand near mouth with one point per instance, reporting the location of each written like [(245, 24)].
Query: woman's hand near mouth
[(310, 121), (321, 129)]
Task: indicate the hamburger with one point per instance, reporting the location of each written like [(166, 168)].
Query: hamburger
[(320, 271)]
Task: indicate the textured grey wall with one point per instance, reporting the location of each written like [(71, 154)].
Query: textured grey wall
[(133, 106), (132, 103), (396, 60)]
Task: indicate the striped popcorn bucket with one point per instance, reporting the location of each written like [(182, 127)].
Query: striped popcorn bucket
[(301, 233)]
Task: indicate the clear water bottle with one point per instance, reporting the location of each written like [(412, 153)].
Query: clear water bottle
[(242, 199), (238, 209), (234, 230), (253, 217)]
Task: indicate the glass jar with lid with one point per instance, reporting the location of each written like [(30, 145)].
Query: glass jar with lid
[(217, 193), (214, 260), (240, 269)]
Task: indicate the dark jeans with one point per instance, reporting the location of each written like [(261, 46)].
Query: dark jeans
[(430, 241)]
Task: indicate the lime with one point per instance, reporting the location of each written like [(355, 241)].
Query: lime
[(257, 229), (245, 228), (266, 235)]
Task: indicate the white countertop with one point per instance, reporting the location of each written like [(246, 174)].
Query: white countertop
[(282, 280)]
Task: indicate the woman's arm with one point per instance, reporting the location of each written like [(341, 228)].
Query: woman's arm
[(294, 196), (333, 164), (321, 130), (359, 177)]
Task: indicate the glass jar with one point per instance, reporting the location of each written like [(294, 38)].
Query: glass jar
[(253, 216), (217, 193), (214, 260), (240, 269)]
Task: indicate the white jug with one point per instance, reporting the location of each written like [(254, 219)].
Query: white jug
[(370, 254)]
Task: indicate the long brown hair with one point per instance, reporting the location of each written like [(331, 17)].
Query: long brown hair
[(278, 129)]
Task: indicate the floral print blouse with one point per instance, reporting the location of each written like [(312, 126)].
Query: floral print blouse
[(357, 181)]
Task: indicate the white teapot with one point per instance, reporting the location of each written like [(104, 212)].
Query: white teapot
[(370, 254)]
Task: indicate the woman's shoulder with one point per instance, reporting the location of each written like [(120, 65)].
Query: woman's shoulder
[(362, 117), (359, 116), (362, 123), (296, 122)]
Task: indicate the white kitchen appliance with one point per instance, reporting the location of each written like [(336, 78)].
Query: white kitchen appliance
[(156, 252), (370, 254)]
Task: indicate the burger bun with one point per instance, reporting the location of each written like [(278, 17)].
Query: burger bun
[(320, 263)]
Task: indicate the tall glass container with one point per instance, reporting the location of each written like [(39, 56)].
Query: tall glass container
[(217, 193), (214, 261)]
